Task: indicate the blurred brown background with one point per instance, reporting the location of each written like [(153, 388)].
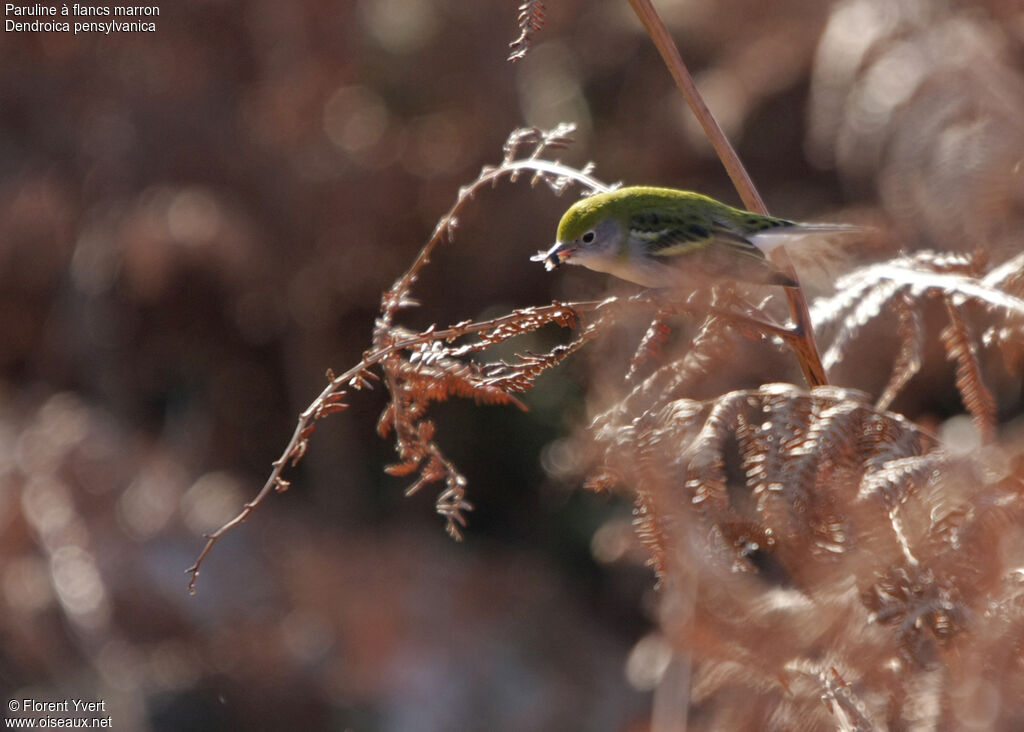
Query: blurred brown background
[(196, 223)]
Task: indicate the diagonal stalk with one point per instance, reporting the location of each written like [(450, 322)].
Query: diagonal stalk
[(803, 345)]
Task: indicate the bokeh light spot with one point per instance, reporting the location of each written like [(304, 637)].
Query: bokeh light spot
[(213, 499)]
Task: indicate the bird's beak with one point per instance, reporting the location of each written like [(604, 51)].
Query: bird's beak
[(554, 256)]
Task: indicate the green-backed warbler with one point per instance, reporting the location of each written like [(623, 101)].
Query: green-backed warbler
[(662, 237)]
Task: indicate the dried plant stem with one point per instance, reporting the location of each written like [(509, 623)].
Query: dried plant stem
[(804, 346), (670, 54), (358, 377)]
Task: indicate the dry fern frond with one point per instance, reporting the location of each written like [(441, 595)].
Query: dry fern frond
[(650, 346), (864, 294), (724, 315), (705, 454), (530, 20), (783, 448), (827, 549), (712, 344), (837, 694), (904, 287), (421, 368), (961, 350), (523, 152), (779, 434), (908, 362), (829, 449), (1007, 277), (896, 477)]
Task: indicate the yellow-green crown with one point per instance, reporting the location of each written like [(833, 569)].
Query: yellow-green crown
[(587, 212)]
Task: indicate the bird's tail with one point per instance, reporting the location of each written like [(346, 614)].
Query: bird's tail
[(768, 240), (820, 252)]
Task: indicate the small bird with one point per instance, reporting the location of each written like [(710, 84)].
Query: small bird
[(663, 237)]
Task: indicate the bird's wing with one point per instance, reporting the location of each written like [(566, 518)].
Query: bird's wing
[(716, 250), (694, 237)]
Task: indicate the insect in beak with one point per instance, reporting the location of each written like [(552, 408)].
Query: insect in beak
[(554, 256)]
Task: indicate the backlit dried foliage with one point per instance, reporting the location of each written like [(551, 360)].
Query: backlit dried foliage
[(824, 562), (531, 20), (812, 547), (418, 368), (902, 288)]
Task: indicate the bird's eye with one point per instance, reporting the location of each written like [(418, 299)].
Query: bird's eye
[(588, 237)]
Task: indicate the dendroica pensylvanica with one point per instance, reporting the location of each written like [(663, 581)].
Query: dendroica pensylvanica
[(663, 237)]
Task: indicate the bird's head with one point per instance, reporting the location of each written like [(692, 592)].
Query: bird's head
[(590, 232)]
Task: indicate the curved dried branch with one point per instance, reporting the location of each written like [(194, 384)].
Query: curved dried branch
[(558, 177)]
